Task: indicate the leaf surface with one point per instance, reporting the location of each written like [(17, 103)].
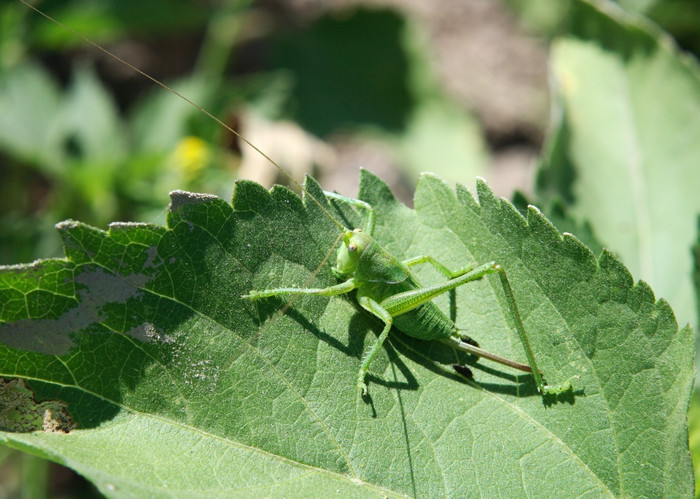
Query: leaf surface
[(175, 386)]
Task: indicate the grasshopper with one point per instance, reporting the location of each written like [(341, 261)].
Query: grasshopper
[(387, 289), (385, 286)]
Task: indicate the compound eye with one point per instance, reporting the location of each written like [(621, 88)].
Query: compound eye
[(352, 247)]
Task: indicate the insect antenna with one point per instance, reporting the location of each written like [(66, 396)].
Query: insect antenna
[(196, 106), (320, 205)]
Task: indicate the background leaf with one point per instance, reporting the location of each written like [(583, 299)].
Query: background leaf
[(625, 151), (370, 71), (142, 333)]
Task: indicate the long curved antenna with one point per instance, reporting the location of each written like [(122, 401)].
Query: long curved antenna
[(343, 230), (193, 104)]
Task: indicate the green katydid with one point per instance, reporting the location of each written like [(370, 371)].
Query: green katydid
[(385, 285), (387, 289)]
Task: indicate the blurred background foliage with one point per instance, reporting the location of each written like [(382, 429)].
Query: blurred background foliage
[(398, 87)]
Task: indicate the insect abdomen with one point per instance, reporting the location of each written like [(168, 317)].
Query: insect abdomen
[(426, 322)]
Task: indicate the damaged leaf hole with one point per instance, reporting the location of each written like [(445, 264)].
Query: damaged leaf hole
[(20, 412)]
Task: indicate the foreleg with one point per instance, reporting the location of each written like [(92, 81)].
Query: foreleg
[(338, 289), (375, 309)]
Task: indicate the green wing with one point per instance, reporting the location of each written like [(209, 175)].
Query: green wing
[(378, 265)]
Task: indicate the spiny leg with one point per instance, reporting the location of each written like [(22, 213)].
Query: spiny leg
[(377, 310), (450, 275), (408, 300), (520, 327), (473, 349), (345, 287), (403, 302)]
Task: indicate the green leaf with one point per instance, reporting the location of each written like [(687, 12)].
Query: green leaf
[(625, 152), (696, 269), (106, 22), (349, 71), (557, 213), (90, 119), (37, 121), (439, 129), (160, 121), (178, 387), (29, 103), (694, 435), (383, 85)]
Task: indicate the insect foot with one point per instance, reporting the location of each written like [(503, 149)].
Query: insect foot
[(362, 386), (564, 387)]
